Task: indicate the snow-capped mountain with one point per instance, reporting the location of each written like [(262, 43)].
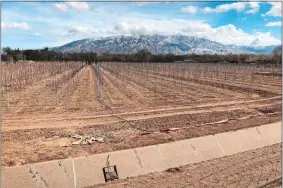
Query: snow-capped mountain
[(156, 44)]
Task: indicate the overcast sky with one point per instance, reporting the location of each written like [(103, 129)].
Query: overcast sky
[(39, 24)]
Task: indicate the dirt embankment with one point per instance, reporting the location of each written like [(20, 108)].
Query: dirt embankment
[(255, 168)]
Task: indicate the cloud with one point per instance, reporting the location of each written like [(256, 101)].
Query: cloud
[(264, 39), (271, 24), (84, 30), (78, 29), (239, 6), (121, 26), (61, 7), (81, 6), (227, 34), (254, 7), (95, 9), (38, 34), (190, 9), (275, 9), (15, 25), (143, 3), (78, 26), (250, 7)]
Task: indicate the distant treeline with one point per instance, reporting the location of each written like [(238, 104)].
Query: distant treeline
[(46, 55), (141, 56)]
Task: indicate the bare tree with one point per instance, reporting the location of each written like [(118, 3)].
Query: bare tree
[(277, 54)]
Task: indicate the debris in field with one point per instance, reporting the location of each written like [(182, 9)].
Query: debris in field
[(76, 136), (84, 142), (217, 122), (273, 113), (64, 144), (245, 117), (91, 140), (168, 130), (77, 142), (101, 139), (173, 170), (88, 139), (145, 133), (21, 162)]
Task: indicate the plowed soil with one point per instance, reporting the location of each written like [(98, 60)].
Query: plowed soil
[(134, 110)]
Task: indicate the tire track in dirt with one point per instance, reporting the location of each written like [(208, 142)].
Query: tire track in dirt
[(225, 104), (256, 85), (131, 92), (125, 78), (203, 93), (161, 94), (66, 90), (150, 94), (191, 89), (84, 97), (134, 116), (199, 88), (118, 97), (253, 86)]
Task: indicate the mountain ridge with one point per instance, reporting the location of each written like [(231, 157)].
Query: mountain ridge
[(158, 44)]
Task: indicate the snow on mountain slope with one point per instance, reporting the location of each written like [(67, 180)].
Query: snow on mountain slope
[(156, 44)]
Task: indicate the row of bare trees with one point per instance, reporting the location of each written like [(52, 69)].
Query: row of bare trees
[(46, 55), (140, 56)]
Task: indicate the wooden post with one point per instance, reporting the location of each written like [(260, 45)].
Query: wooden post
[(6, 82)]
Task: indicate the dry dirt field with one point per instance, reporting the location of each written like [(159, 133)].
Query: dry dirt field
[(53, 110)]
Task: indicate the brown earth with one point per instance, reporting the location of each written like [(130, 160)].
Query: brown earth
[(135, 110)]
